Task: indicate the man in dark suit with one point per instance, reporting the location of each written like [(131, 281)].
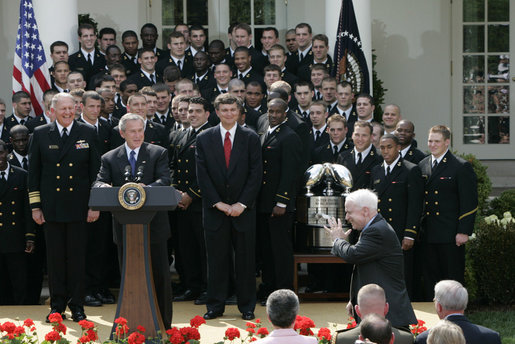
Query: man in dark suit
[(338, 142), (189, 213), (242, 37), (149, 36), (377, 255), (451, 206), (277, 56), (17, 234), (400, 188), (304, 55), (152, 160), (129, 58), (88, 60), (344, 107), (203, 76), (318, 133), (163, 114), (405, 131), (19, 138), (64, 160), (177, 56), (229, 172), (371, 299), (147, 75), (276, 200), (22, 107), (362, 158), (451, 300), (244, 68)]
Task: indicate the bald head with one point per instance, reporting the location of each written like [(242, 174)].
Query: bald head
[(371, 300)]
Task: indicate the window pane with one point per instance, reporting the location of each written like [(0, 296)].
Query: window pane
[(474, 129), (173, 12), (473, 69), (473, 99), (499, 99), (498, 68), (239, 11), (499, 129), (264, 12), (473, 10), (473, 38), (498, 38), (498, 10), (197, 12)]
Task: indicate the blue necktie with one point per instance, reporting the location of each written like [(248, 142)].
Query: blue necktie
[(132, 161)]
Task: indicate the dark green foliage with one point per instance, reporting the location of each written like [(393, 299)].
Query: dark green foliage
[(484, 185), (379, 90), (491, 256), (500, 320), (505, 202)]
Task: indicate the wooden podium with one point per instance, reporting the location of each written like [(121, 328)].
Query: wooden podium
[(134, 207)]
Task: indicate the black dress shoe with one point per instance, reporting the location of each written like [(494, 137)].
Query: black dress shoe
[(54, 310), (78, 315), (212, 315), (248, 316), (189, 295), (105, 297), (201, 300), (92, 301)]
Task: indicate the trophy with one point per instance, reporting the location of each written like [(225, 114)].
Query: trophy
[(313, 177)]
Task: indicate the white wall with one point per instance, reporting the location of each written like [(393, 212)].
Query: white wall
[(412, 41), (9, 13)]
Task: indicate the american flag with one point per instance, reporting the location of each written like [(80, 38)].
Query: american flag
[(30, 73), (350, 62)]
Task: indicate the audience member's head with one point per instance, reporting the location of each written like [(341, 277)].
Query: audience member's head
[(371, 300), (360, 208), (445, 332), (450, 297), (376, 329), (282, 307)]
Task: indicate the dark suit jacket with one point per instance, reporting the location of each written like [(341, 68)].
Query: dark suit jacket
[(15, 214), (104, 134), (295, 66), (13, 160), (304, 69), (322, 140), (78, 62), (474, 334), (378, 258), (169, 122), (252, 75), (205, 84), (184, 176), (325, 153), (281, 151), (141, 80), (400, 196), (238, 183), (34, 122), (450, 199), (60, 175), (187, 69), (130, 67), (414, 155), (154, 160), (360, 174), (155, 133), (353, 117), (349, 336), (290, 78)]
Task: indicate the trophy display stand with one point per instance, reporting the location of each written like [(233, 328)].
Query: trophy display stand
[(134, 206)]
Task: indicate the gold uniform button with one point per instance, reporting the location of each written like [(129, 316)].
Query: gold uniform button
[(390, 219), (390, 209), (264, 183), (187, 160), (70, 164), (178, 171), (187, 171), (1, 224), (427, 202), (436, 203), (437, 213), (179, 160), (13, 202), (379, 200), (427, 192), (285, 193), (57, 177), (264, 172), (71, 177), (179, 181), (13, 223), (58, 164), (389, 199), (265, 161), (436, 192), (71, 189), (187, 182), (57, 189), (1, 214), (14, 213), (427, 213), (0, 203)]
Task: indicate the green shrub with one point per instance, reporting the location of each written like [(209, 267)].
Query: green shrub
[(484, 185), (505, 202), (491, 255)]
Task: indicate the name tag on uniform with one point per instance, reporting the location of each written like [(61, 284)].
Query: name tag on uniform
[(445, 177), (81, 145), (53, 147)]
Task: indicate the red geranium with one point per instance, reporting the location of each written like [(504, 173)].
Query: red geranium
[(258, 321), (304, 325), (250, 325), (84, 339), (121, 330), (232, 333), (190, 333), (92, 335), (197, 321), (19, 330), (141, 328), (120, 321), (418, 328), (52, 336), (263, 332), (60, 328), (8, 327), (324, 333), (253, 339), (352, 323), (55, 318), (136, 338), (85, 324), (28, 322), (251, 330)]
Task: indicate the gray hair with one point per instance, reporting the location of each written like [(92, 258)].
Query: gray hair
[(60, 96), (446, 332), (451, 295), (235, 83), (363, 198), (282, 307), (129, 117)]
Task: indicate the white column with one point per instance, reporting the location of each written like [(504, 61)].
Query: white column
[(57, 21), (362, 11)]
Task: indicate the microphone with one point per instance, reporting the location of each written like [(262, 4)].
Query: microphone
[(127, 173), (139, 174)]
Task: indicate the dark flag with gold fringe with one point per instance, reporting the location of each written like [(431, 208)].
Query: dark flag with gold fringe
[(350, 63)]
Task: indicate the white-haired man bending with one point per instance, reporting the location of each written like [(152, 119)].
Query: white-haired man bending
[(377, 255), (451, 299)]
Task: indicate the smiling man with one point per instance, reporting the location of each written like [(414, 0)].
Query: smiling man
[(377, 255), (88, 60), (451, 206), (64, 160)]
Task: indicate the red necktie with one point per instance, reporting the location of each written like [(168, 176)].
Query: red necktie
[(227, 148)]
